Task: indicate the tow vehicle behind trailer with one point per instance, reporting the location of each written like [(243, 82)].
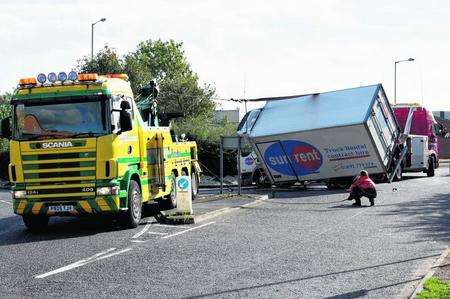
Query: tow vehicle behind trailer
[(328, 136)]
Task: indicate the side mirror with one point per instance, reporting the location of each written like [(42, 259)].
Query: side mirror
[(442, 130), (126, 123), (6, 128)]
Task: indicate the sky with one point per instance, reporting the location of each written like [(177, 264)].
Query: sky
[(246, 49)]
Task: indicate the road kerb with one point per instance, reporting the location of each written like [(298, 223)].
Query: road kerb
[(430, 273), (213, 214)]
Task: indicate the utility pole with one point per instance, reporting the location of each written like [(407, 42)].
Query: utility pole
[(395, 77), (92, 36)]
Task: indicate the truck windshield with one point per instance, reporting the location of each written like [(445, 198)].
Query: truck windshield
[(63, 119)]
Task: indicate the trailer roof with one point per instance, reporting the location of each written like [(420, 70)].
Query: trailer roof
[(316, 111)]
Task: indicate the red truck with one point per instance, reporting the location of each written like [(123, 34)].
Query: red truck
[(419, 124)]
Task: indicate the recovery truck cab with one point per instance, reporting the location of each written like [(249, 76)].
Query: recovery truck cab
[(422, 129), (78, 146)]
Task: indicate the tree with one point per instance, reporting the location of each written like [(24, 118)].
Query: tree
[(106, 61), (166, 62), (5, 111)]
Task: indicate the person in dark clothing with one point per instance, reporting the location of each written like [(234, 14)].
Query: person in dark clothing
[(362, 186)]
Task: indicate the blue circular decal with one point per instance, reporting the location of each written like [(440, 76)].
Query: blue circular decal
[(183, 184), (249, 161), (293, 155)]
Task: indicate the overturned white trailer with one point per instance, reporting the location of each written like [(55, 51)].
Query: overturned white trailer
[(327, 136)]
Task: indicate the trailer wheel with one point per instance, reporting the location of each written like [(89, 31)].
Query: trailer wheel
[(330, 185), (260, 178), (430, 170), (132, 216), (35, 222)]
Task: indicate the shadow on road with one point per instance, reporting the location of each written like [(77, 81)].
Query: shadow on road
[(429, 217), (365, 292), (277, 283), (13, 231)]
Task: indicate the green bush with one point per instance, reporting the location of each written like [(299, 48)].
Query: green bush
[(206, 132)]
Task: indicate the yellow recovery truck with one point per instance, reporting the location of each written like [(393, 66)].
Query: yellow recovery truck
[(79, 146)]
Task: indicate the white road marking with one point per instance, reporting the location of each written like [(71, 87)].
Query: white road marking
[(137, 235), (113, 254), (137, 241), (4, 201), (96, 257), (187, 230)]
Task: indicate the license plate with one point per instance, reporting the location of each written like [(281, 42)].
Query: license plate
[(60, 208)]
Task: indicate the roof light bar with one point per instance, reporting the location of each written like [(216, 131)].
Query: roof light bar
[(87, 77), (119, 76), (27, 81)]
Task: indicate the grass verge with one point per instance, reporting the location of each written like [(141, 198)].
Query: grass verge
[(435, 288)]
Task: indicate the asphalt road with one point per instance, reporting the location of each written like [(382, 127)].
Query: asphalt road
[(303, 244)]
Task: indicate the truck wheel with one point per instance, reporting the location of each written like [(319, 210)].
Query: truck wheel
[(170, 201), (330, 185), (430, 170), (133, 215), (34, 222), (194, 185), (260, 179)]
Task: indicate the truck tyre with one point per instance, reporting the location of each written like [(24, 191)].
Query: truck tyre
[(260, 178), (34, 222), (194, 185), (430, 170), (170, 201), (132, 216)]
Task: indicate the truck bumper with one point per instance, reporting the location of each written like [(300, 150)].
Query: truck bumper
[(97, 205)]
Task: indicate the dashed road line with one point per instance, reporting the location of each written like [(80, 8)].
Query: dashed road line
[(187, 230), (7, 202), (113, 253), (137, 235), (96, 257)]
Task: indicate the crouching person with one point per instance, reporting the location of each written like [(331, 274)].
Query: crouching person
[(362, 186)]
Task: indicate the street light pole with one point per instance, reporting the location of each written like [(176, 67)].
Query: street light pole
[(395, 77), (92, 36)]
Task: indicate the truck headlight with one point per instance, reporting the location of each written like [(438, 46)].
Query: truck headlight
[(101, 191), (19, 194)]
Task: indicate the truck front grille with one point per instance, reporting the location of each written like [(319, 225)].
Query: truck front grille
[(59, 176)]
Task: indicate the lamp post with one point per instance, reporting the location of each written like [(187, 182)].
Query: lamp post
[(92, 36), (395, 77)]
